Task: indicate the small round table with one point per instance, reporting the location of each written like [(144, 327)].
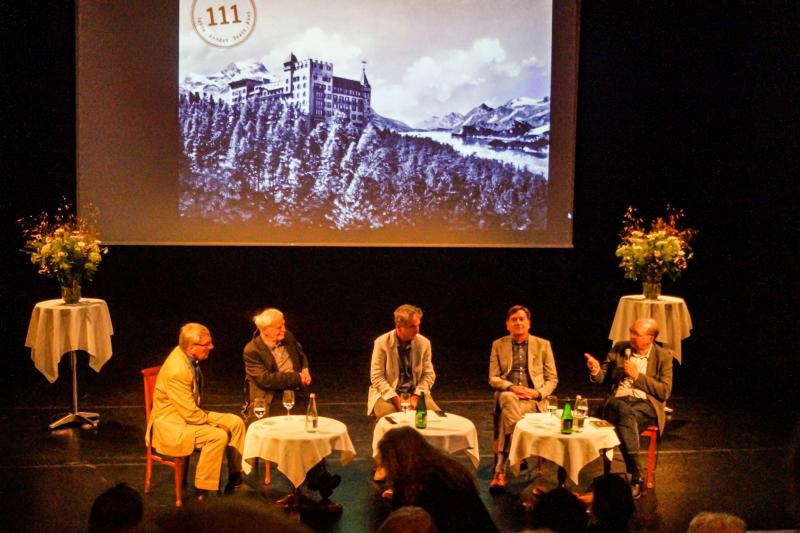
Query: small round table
[(451, 433), (57, 328), (670, 312), (287, 443), (539, 434)]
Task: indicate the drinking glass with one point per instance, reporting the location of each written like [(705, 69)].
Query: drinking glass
[(288, 401), (259, 407), (581, 412), (552, 404), (405, 402)]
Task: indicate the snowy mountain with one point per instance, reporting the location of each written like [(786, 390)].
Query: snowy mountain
[(447, 122), (218, 83), (385, 123), (514, 118)]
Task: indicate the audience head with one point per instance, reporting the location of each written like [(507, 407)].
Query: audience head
[(707, 522), (117, 509), (271, 325), (408, 519), (612, 501), (407, 319), (561, 511)]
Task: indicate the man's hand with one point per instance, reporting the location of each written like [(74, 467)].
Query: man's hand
[(223, 427), (412, 400), (592, 364), (305, 377), (396, 402), (631, 370), (525, 393)]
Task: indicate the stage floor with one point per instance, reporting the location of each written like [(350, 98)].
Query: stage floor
[(719, 453)]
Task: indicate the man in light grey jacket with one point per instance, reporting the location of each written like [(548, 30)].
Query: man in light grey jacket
[(522, 371), (401, 363)]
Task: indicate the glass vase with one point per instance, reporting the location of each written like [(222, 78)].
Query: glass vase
[(71, 292), (651, 289)]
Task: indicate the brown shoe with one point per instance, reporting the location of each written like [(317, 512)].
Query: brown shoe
[(498, 483)]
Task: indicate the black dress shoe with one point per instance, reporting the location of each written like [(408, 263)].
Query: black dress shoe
[(200, 495), (328, 485), (236, 484), (637, 488)]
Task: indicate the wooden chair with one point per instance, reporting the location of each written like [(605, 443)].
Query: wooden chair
[(180, 465), (651, 432)]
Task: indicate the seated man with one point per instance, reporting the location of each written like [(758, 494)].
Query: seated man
[(401, 363), (178, 425), (522, 371), (639, 373), (273, 362)]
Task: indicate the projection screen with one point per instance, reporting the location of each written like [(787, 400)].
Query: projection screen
[(328, 123)]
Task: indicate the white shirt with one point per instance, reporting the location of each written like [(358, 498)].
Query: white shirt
[(626, 387)]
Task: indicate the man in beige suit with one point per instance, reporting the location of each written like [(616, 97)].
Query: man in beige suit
[(178, 425), (522, 371)]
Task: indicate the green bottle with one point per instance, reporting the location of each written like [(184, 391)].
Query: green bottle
[(422, 412), (566, 419)]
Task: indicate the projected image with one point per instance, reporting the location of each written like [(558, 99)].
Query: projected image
[(367, 115)]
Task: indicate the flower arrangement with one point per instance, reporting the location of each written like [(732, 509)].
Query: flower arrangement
[(664, 249), (64, 247)]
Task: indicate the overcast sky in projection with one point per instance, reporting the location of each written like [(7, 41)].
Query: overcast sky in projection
[(424, 57)]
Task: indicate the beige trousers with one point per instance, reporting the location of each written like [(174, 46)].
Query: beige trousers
[(213, 443)]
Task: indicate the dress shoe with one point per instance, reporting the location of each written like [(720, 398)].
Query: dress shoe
[(637, 488), (200, 495), (498, 483), (328, 484), (388, 494), (236, 484)]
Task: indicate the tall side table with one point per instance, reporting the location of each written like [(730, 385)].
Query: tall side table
[(57, 328), (670, 312)]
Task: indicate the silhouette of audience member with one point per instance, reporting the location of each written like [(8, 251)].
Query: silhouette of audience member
[(408, 519), (241, 516), (118, 509), (612, 505), (426, 477), (707, 522), (561, 511)]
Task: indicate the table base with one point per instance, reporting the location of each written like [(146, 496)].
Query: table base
[(81, 417), (75, 415)]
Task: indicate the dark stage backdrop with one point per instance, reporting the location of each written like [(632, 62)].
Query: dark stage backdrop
[(680, 104)]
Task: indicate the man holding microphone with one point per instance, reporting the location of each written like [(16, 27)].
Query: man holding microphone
[(639, 374)]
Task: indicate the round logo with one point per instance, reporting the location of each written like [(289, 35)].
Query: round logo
[(224, 24)]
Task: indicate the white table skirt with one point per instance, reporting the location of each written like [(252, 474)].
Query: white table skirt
[(539, 434), (292, 448), (451, 433), (670, 312), (57, 328)]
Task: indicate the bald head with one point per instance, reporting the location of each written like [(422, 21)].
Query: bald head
[(643, 333)]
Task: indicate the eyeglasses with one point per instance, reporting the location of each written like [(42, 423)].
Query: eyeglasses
[(204, 345)]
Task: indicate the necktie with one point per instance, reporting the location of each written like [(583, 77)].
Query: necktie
[(198, 376)]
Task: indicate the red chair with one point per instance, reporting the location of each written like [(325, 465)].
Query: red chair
[(179, 464), (652, 453)]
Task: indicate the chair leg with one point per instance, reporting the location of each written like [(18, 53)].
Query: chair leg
[(148, 474), (651, 459), (267, 478), (180, 479)]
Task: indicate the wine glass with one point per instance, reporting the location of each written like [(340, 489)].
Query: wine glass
[(259, 407), (405, 402), (582, 412), (288, 401), (552, 404)]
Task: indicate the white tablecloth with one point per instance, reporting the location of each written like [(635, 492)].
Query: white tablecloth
[(57, 328), (539, 434), (292, 448), (451, 433), (670, 312)]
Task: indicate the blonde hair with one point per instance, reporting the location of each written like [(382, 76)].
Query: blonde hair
[(191, 333)]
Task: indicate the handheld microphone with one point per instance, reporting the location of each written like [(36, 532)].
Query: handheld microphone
[(626, 354)]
